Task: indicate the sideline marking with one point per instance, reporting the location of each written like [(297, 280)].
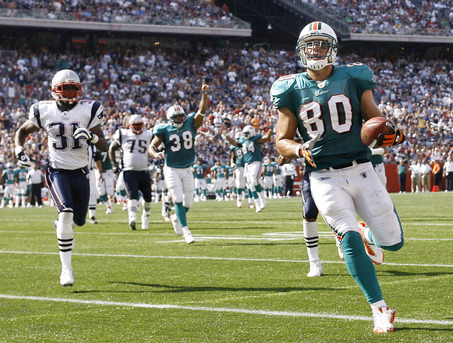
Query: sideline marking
[(222, 309)]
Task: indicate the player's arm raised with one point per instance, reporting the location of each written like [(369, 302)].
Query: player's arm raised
[(266, 136), (203, 107), (230, 140)]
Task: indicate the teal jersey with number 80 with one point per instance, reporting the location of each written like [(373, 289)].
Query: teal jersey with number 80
[(331, 108)]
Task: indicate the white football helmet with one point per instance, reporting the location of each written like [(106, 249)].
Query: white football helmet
[(9, 166), (312, 39), (136, 124), (66, 86), (176, 116), (237, 135), (248, 132)]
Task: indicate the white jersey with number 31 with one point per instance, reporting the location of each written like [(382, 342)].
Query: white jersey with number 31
[(65, 152)]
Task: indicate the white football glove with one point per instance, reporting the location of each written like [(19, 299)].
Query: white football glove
[(83, 133), (160, 155), (22, 158)]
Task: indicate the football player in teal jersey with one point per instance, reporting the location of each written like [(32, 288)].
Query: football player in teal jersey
[(22, 186), (327, 105), (178, 137), (105, 180), (9, 179), (219, 174), (251, 143), (237, 163), (269, 171), (277, 180), (199, 169)]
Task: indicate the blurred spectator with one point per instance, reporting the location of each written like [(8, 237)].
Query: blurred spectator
[(448, 173), (425, 176), (289, 173), (402, 172), (35, 178), (438, 174), (415, 176)]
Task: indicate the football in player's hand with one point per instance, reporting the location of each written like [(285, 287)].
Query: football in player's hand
[(372, 128)]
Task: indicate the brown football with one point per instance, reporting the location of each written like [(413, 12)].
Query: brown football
[(372, 128)]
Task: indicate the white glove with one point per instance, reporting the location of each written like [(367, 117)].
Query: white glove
[(83, 133), (160, 155), (22, 158), (377, 151)]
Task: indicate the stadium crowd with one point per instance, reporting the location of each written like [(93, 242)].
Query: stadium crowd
[(129, 80), (175, 12), (396, 17), (399, 17)]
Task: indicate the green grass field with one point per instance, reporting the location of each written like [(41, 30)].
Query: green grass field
[(244, 280)]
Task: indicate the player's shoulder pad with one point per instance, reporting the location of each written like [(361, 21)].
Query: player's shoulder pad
[(358, 70), (45, 102), (160, 127), (283, 84)]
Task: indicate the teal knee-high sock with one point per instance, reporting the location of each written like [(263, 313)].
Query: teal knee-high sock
[(180, 211), (360, 266)]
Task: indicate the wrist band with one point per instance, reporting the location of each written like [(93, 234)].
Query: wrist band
[(201, 114), (18, 150), (298, 149), (94, 139)]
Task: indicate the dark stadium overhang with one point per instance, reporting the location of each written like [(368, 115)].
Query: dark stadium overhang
[(288, 16), (120, 27), (314, 13)]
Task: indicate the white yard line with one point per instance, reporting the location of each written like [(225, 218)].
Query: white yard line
[(215, 258), (270, 236), (220, 309)]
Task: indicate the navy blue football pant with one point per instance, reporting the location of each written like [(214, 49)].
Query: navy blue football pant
[(310, 209), (138, 181), (70, 189)]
